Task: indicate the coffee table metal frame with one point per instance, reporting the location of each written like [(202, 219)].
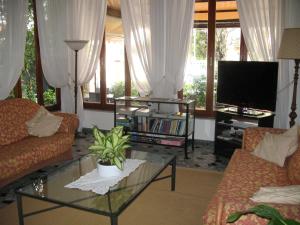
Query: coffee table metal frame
[(113, 215)]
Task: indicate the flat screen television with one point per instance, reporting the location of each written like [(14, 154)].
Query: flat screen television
[(248, 84)]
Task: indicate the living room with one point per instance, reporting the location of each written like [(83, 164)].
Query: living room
[(184, 126)]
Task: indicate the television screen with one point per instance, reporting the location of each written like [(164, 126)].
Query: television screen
[(248, 84)]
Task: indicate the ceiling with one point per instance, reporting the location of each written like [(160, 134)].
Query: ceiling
[(226, 10)]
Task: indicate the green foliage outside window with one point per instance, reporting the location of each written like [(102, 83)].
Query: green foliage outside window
[(28, 73), (49, 97), (118, 89), (196, 91)]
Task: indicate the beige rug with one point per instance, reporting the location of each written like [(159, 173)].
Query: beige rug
[(157, 205)]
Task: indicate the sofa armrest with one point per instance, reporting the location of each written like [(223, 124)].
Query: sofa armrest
[(253, 135), (69, 123)]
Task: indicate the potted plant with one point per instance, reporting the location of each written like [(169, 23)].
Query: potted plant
[(264, 211), (110, 150)]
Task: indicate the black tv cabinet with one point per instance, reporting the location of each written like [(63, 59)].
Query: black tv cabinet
[(230, 125)]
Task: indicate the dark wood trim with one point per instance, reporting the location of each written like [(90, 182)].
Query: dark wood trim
[(216, 0), (219, 24), (243, 49), (127, 75), (97, 106), (204, 114), (210, 56), (58, 98), (38, 65), (113, 12), (220, 10), (18, 89), (103, 72)]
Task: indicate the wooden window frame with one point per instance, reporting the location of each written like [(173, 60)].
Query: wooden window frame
[(103, 105), (212, 24), (38, 71)]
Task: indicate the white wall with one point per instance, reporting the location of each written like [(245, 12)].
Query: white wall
[(204, 128)]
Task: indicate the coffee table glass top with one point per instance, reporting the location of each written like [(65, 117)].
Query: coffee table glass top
[(51, 188)]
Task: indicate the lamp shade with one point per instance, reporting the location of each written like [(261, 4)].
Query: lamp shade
[(76, 44), (290, 44)]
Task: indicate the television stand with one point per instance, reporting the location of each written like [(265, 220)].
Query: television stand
[(230, 125), (245, 111)]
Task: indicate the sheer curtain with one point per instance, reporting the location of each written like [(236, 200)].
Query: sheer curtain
[(157, 35), (12, 43), (262, 23), (65, 20)]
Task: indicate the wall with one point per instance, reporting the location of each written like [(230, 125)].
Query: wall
[(204, 128)]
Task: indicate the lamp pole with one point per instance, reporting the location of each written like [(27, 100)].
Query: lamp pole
[(293, 113), (75, 86), (76, 45)]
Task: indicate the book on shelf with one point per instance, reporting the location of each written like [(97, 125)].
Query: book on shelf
[(167, 126), (142, 123), (174, 142), (124, 121)]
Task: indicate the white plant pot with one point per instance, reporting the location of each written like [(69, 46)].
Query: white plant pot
[(108, 171)]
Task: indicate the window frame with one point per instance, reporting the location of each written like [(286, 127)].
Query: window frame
[(103, 105), (211, 25)]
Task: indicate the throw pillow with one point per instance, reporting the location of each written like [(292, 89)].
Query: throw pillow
[(43, 124), (276, 147), (280, 195)]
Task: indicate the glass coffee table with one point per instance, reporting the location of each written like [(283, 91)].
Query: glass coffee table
[(51, 188)]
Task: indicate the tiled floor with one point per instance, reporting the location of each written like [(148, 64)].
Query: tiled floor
[(202, 157)]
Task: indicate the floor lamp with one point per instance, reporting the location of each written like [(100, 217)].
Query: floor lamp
[(290, 49), (76, 45)]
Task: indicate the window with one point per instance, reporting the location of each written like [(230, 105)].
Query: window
[(111, 79), (32, 83), (216, 36)]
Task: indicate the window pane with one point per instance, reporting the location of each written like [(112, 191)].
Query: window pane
[(91, 90), (196, 69), (227, 48), (134, 91), (28, 74), (49, 94), (115, 67)]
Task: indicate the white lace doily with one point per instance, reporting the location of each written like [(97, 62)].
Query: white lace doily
[(92, 181)]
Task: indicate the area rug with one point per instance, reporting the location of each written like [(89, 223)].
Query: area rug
[(157, 205)]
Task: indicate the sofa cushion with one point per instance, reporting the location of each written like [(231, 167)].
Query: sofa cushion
[(22, 155), (12, 122), (253, 136), (294, 167), (276, 147), (44, 123)]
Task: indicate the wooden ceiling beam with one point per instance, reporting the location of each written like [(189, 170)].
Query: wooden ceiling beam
[(113, 12)]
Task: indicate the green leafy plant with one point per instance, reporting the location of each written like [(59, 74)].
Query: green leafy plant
[(110, 148), (49, 97), (264, 211)]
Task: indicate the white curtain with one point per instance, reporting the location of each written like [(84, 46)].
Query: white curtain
[(70, 20), (13, 22), (262, 23), (157, 35)]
